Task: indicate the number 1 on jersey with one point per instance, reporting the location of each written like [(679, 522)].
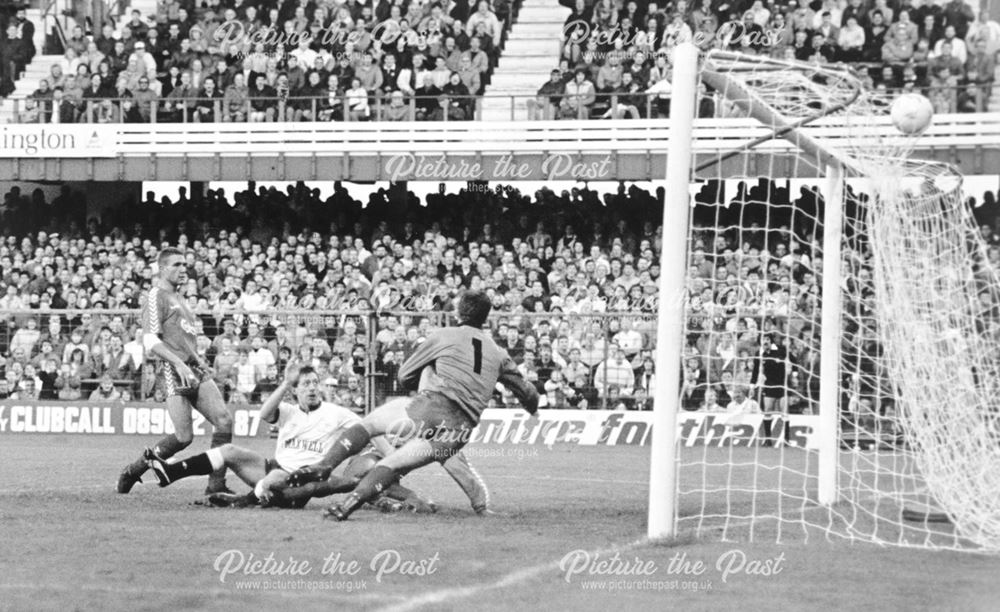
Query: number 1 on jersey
[(477, 355)]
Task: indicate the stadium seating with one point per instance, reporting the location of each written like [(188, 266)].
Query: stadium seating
[(161, 77), (356, 289), (945, 52)]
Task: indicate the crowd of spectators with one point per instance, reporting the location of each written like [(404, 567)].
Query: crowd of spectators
[(616, 54), (268, 61), (354, 287)]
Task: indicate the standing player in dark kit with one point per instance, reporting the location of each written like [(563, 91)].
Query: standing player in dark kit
[(168, 333), (438, 421)]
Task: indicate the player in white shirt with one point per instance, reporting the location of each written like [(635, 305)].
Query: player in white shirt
[(306, 431)]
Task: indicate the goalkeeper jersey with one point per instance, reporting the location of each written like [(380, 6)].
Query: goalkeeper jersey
[(468, 364)]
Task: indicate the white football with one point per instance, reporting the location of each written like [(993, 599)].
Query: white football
[(911, 113)]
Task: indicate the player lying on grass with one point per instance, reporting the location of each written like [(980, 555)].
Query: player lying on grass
[(439, 420), (168, 335), (306, 432)]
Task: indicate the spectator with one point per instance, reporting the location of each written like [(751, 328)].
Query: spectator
[(875, 37), (645, 384), (427, 97), (179, 104), (236, 100), (263, 99), (331, 105), (26, 337), (957, 17), (469, 76), (944, 60), (13, 59), (244, 374), (357, 101), (487, 19), (369, 75), (558, 392), (943, 90), (38, 106), (980, 69), (106, 391), (29, 390), (614, 377), (209, 104), (76, 41), (578, 98), (742, 403), (266, 384), (24, 32), (954, 43), (851, 40), (986, 30), (627, 99), (397, 109), (711, 403), (143, 59)]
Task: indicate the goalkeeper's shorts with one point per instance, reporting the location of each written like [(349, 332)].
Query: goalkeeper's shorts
[(441, 421), (173, 385)]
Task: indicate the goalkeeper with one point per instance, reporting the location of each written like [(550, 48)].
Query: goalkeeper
[(438, 422)]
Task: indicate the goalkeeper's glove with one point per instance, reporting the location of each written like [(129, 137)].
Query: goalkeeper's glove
[(310, 473)]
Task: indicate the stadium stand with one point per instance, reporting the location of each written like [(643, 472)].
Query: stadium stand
[(436, 62), (616, 55), (353, 289), (298, 61)]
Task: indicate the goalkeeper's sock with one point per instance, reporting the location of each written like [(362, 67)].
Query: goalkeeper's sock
[(198, 465), (348, 443), (371, 486), (217, 479)]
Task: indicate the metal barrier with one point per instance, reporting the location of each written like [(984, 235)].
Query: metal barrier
[(601, 359), (322, 108), (379, 108)]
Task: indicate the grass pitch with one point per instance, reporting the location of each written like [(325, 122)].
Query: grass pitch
[(70, 542)]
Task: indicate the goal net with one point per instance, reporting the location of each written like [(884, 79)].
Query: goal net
[(840, 363)]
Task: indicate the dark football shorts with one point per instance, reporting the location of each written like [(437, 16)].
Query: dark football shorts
[(442, 422), (775, 391), (172, 384)]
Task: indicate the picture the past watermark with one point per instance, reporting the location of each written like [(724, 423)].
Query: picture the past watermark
[(334, 572), (610, 572)]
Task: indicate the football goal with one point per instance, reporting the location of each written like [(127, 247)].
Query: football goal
[(826, 362)]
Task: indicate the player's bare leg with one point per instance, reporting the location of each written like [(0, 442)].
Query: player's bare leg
[(389, 418), (251, 467), (211, 404), (179, 410), (416, 453)]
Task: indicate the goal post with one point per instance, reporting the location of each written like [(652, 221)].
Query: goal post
[(670, 308), (829, 401), (831, 291)]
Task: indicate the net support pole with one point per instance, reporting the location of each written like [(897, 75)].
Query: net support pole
[(829, 366), (670, 314)]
